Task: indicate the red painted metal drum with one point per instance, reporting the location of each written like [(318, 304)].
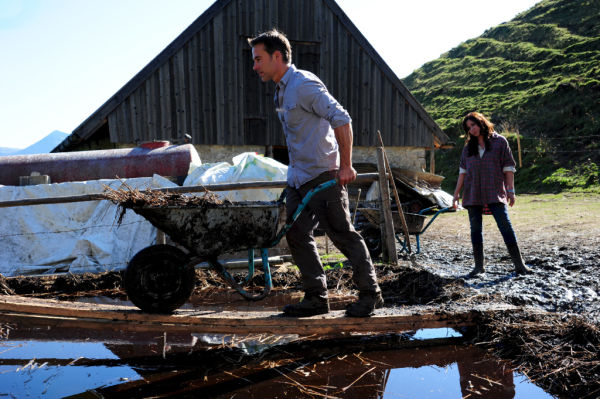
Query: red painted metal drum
[(143, 161)]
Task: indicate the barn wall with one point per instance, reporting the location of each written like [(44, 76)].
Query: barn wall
[(207, 89)]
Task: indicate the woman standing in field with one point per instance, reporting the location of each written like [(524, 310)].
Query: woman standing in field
[(486, 174)]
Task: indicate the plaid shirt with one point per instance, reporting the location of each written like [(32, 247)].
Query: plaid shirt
[(484, 178)]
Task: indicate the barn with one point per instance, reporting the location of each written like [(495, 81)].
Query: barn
[(203, 85)]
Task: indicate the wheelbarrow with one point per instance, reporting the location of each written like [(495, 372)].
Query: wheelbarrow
[(416, 223), (161, 278)]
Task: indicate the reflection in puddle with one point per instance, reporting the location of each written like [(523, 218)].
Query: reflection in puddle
[(37, 361)]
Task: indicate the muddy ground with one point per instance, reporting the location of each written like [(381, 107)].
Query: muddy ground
[(563, 253), (560, 349)]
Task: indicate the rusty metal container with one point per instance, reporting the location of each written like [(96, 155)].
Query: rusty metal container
[(145, 160)]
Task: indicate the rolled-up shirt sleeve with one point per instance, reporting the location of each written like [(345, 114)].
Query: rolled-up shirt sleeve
[(314, 97), (508, 161)]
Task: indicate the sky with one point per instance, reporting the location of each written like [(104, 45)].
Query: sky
[(62, 59)]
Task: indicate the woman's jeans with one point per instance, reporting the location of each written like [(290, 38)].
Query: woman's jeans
[(500, 213)]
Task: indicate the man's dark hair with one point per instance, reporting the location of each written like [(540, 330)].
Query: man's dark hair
[(273, 40)]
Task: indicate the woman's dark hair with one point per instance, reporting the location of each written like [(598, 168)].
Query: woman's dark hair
[(485, 129), (274, 40)]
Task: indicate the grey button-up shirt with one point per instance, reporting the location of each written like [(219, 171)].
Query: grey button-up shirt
[(308, 114)]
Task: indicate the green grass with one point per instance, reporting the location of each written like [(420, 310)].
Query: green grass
[(538, 74)]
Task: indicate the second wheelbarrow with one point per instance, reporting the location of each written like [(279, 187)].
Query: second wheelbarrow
[(414, 221)]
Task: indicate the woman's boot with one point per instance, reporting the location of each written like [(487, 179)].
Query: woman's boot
[(515, 255), (478, 256)]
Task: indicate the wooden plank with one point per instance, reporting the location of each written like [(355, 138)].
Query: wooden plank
[(180, 86), (379, 102), (127, 126), (142, 116), (194, 92), (219, 68), (396, 197), (244, 321), (151, 112), (165, 102), (113, 127), (390, 255), (365, 111), (230, 93), (134, 133), (205, 87)]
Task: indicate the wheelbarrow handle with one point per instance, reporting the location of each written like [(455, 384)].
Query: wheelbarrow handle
[(300, 208)]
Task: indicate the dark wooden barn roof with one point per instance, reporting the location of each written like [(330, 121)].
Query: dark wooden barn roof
[(203, 84)]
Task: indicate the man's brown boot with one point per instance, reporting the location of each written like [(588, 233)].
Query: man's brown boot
[(367, 302), (310, 305)]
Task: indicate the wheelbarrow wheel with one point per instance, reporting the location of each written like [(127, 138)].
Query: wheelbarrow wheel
[(372, 239), (159, 279)]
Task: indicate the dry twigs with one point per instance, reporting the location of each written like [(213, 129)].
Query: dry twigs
[(129, 197), (560, 353)]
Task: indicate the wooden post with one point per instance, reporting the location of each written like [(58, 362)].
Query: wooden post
[(519, 148), (388, 238), (388, 169), (432, 160)]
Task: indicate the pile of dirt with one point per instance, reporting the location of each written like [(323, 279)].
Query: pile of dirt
[(68, 286)]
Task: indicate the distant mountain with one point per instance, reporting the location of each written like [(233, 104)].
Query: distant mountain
[(538, 73), (45, 145), (8, 151)]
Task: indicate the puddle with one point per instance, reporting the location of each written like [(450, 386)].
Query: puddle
[(37, 361)]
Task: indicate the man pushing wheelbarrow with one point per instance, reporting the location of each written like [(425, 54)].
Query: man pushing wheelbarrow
[(318, 133)]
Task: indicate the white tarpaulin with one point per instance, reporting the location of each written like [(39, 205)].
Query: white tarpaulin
[(84, 236), (246, 167), (76, 237)]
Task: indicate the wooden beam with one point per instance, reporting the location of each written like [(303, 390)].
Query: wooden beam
[(388, 169), (243, 321), (362, 178)]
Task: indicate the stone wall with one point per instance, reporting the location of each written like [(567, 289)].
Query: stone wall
[(399, 157), (225, 153)]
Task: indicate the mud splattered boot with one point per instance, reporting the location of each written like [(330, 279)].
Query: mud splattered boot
[(478, 257), (310, 305), (515, 255), (367, 302)]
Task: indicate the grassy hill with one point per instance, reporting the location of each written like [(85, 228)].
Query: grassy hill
[(538, 74)]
